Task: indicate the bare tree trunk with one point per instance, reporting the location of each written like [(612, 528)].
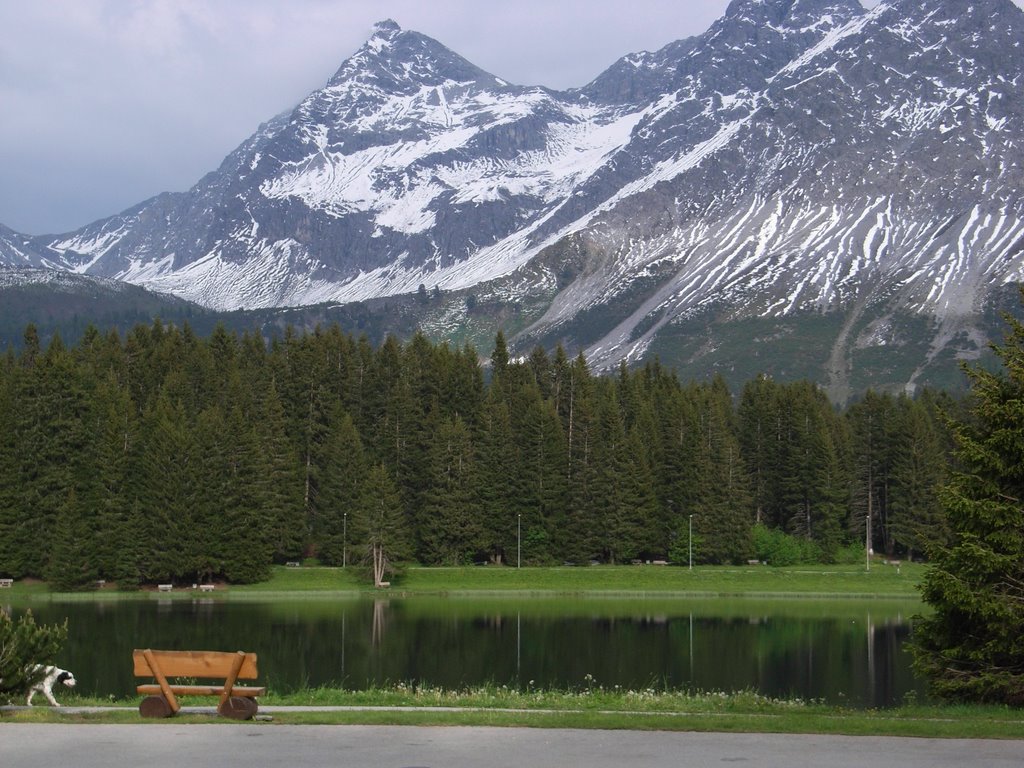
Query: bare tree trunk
[(379, 565)]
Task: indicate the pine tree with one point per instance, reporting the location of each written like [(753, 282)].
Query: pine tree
[(380, 525), (23, 645), (620, 509), (214, 501), (722, 518), (919, 470), (452, 530), (342, 487), (280, 484), (539, 471), (165, 488), (463, 389), (971, 645), (245, 551), (12, 560), (758, 414), (499, 357), (811, 486), (540, 369), (676, 477), (73, 563), (496, 465), (577, 540), (874, 426), (110, 482), (50, 439), (112, 448)]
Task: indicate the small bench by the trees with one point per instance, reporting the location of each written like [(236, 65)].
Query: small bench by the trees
[(236, 702)]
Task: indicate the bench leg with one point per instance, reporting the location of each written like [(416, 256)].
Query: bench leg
[(238, 708), (155, 706)]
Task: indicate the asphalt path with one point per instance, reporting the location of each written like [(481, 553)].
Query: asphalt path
[(256, 745)]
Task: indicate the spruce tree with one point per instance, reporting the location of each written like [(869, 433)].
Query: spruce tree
[(874, 428), (73, 563), (380, 527), (676, 472), (496, 467), (812, 486), (245, 550), (620, 508), (758, 415), (577, 538), (165, 487), (919, 470), (722, 517), (23, 645), (215, 499), (342, 487), (12, 561), (539, 474), (49, 431), (280, 484), (112, 448), (452, 530), (971, 646)]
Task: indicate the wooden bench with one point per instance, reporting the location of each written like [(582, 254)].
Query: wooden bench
[(236, 702), (165, 587), (6, 582), (206, 587)]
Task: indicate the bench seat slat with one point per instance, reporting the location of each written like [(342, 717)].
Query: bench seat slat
[(201, 664), (201, 690)]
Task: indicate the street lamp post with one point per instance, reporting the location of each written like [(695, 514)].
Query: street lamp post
[(867, 542), (344, 541), (519, 540), (691, 542)]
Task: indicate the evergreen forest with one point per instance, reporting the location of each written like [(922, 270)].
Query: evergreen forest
[(160, 456)]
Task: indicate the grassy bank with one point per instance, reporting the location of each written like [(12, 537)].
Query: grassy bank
[(848, 581), (838, 580), (594, 708)]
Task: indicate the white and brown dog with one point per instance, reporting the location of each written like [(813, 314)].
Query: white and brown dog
[(53, 676)]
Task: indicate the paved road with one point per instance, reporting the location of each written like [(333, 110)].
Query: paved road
[(340, 746)]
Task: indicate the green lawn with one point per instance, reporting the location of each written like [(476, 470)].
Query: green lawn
[(848, 581), (590, 708), (826, 580)]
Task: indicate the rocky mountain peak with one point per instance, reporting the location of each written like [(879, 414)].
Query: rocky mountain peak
[(386, 28), (801, 160), (791, 13), (997, 17), (398, 60)]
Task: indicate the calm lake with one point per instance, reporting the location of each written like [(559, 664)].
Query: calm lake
[(841, 651)]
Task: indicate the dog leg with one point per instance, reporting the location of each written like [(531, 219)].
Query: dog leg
[(49, 697)]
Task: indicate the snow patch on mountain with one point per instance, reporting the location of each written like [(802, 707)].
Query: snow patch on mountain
[(801, 156)]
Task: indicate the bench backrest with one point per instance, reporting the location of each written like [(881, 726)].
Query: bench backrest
[(202, 664)]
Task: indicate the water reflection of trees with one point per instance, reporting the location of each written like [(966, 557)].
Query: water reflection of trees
[(379, 622), (388, 641)]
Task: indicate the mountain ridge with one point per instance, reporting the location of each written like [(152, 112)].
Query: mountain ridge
[(799, 156)]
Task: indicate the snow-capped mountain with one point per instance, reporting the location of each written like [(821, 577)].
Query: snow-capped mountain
[(801, 159)]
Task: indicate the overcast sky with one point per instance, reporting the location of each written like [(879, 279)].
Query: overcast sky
[(105, 103)]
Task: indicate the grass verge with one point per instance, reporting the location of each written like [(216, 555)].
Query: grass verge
[(826, 580), (705, 581), (590, 708)]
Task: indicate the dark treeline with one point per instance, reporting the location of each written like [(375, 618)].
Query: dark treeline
[(161, 456)]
